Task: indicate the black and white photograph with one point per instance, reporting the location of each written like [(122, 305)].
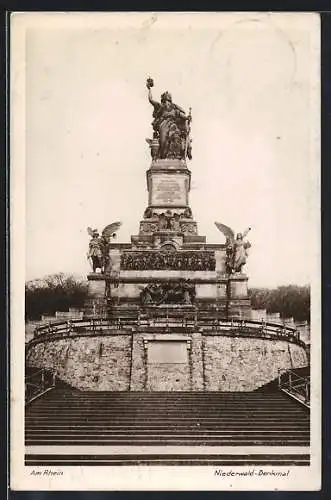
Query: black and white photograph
[(165, 251)]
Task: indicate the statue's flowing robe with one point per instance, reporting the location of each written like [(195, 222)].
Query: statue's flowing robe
[(240, 254), (95, 248), (167, 122)]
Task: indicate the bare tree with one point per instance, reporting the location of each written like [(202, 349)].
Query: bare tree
[(56, 292)]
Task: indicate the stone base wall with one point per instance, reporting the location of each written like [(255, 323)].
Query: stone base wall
[(168, 377), (87, 363), (242, 364), (191, 361)]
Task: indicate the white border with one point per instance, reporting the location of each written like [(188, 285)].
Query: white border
[(139, 478)]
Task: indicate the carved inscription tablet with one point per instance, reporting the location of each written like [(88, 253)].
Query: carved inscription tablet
[(167, 352), (168, 190)]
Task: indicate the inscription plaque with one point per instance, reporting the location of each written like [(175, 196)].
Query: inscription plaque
[(167, 352), (168, 190)]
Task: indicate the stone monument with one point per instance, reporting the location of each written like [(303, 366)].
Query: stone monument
[(168, 263), (168, 311)]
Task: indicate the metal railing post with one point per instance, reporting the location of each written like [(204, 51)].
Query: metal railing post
[(306, 392), (290, 381), (284, 331), (263, 327), (42, 379), (279, 379)]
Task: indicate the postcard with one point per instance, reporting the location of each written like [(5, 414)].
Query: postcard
[(165, 251)]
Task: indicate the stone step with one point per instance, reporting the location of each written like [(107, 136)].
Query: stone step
[(163, 394), (175, 395), (164, 404), (165, 431), (57, 396), (111, 410), (161, 404), (233, 427), (171, 442), (173, 416), (151, 419), (68, 417), (133, 394), (188, 410), (173, 460)]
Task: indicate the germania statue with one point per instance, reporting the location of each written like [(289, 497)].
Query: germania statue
[(171, 128)]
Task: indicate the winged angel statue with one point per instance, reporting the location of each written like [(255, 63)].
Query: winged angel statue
[(236, 248), (98, 253)]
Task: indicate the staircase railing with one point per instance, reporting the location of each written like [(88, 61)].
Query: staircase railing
[(295, 385), (38, 383), (207, 322)]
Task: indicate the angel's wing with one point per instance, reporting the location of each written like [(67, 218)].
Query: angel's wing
[(90, 231), (245, 233), (111, 229), (226, 230)]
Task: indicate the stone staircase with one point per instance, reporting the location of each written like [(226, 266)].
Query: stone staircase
[(92, 428)]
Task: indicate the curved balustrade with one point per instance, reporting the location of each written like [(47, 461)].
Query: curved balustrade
[(38, 383), (206, 323), (295, 385)]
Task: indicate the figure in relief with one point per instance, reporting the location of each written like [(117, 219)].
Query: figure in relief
[(168, 259), (171, 128), (163, 222), (182, 292), (98, 253), (169, 220), (236, 248), (148, 214), (187, 214), (175, 223)]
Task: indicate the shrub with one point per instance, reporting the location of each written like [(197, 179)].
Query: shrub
[(289, 301), (56, 292)]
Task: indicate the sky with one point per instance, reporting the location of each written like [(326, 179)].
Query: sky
[(251, 81)]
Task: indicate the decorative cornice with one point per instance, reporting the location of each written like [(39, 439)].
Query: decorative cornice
[(150, 279)]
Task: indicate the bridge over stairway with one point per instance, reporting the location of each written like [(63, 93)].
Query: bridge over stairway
[(70, 427)]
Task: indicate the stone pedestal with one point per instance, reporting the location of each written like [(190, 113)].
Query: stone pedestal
[(238, 286), (168, 251), (96, 284), (168, 218), (168, 184)]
